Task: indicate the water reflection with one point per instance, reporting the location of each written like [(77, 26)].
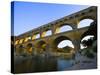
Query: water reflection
[(64, 64), (40, 64)]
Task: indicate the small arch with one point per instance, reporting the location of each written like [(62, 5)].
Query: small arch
[(21, 41), (37, 36), (27, 38), (16, 42), (63, 28), (85, 22), (48, 32)]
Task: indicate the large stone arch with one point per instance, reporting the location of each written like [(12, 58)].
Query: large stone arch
[(29, 48), (85, 34), (20, 50), (41, 46), (57, 40)]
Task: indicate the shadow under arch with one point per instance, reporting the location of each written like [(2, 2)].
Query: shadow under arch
[(86, 34)]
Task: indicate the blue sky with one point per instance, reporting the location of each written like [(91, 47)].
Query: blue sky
[(30, 15)]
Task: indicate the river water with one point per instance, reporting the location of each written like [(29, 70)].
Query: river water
[(41, 64)]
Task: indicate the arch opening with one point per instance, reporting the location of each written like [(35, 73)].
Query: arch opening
[(49, 32), (87, 41), (89, 46), (21, 49), (41, 46), (21, 41), (63, 28), (27, 39), (29, 48), (85, 22), (37, 36), (63, 44), (16, 42)]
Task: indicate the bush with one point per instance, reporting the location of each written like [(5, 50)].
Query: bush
[(89, 55)]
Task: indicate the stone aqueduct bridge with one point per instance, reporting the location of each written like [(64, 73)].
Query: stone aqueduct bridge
[(29, 43)]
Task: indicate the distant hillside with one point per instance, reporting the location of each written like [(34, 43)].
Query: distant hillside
[(66, 49)]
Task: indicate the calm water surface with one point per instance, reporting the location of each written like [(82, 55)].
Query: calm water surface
[(41, 64)]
